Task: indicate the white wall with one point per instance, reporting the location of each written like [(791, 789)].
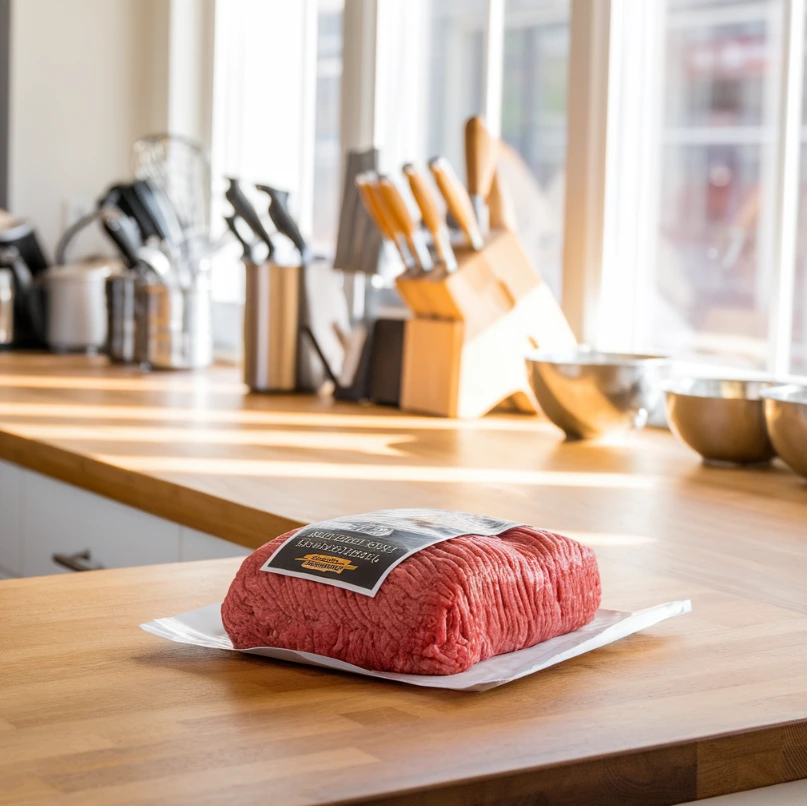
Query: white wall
[(88, 77)]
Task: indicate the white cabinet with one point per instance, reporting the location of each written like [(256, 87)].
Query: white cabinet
[(40, 517), (11, 482), (60, 518), (194, 545)]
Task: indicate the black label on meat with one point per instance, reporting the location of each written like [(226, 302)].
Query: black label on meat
[(359, 551)]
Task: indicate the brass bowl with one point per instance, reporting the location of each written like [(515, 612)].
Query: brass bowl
[(723, 420), (786, 418)]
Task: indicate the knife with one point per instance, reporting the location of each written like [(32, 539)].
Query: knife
[(232, 224), (405, 223), (281, 218), (246, 211), (481, 153), (457, 199), (366, 183), (124, 232), (159, 210), (432, 217)]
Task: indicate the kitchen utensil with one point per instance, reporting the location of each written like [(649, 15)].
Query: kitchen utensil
[(281, 218), (432, 216), (723, 420), (124, 198), (247, 246), (6, 307), (405, 223), (365, 184), (159, 211), (173, 324), (591, 394), (458, 201), (786, 420), (124, 232), (179, 167), (243, 207), (76, 305), (481, 151), (376, 203)]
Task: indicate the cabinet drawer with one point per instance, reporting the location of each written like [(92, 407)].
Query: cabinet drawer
[(11, 479), (194, 545), (61, 519)]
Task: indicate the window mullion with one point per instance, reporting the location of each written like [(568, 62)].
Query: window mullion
[(494, 65), (786, 201)]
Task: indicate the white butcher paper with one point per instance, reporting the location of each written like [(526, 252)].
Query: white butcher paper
[(203, 628)]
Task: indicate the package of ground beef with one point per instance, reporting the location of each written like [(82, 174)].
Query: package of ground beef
[(423, 592)]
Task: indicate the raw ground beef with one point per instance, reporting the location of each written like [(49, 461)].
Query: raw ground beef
[(440, 611)]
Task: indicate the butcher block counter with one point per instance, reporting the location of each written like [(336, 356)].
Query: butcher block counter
[(93, 710)]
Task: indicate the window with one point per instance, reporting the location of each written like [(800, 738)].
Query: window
[(713, 273), (536, 55), (327, 147)]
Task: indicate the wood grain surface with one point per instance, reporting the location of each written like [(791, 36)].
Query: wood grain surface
[(92, 710)]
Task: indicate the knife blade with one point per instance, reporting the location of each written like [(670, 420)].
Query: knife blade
[(432, 216), (405, 223), (246, 211), (367, 185), (281, 218), (481, 153), (457, 199)]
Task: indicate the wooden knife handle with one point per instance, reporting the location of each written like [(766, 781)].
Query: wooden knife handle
[(432, 216), (364, 184), (457, 199), (481, 155), (397, 206)]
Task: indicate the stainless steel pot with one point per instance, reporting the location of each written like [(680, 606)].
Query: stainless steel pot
[(76, 319)]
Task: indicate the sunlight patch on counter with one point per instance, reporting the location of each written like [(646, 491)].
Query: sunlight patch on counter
[(302, 419), (374, 444), (381, 472)]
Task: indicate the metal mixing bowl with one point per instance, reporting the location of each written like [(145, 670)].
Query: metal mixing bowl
[(723, 420), (786, 417), (590, 394)]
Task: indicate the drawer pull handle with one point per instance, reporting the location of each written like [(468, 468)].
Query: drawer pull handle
[(80, 561)]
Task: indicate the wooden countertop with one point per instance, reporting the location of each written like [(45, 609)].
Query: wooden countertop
[(92, 710)]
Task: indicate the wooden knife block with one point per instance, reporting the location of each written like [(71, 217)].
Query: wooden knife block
[(464, 350)]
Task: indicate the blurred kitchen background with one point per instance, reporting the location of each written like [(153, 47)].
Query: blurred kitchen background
[(681, 160)]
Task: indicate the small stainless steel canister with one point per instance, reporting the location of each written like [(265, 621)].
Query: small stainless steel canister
[(120, 307), (271, 326), (6, 307), (173, 325)]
